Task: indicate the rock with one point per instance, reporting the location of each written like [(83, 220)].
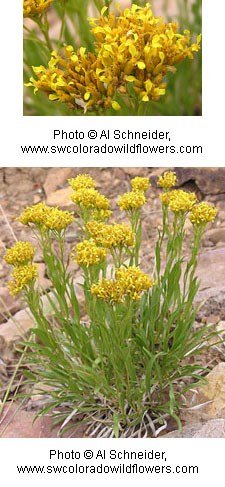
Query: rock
[(56, 178), (2, 246), (210, 270), (211, 319), (8, 304), (208, 400), (214, 428), (43, 281), (38, 399), (221, 214), (221, 329), (18, 423), (219, 245), (16, 327), (70, 237), (137, 171), (212, 301), (60, 198), (37, 199), (2, 344), (210, 180), (215, 235)]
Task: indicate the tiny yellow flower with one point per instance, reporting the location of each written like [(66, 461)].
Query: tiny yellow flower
[(167, 180), (22, 277), (117, 235), (108, 290), (131, 282), (82, 181), (140, 184), (21, 253), (115, 105), (33, 214), (90, 198), (58, 220), (131, 200), (178, 201), (202, 213), (31, 8), (87, 253), (134, 281), (46, 217)]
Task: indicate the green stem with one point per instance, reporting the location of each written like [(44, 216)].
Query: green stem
[(192, 263), (44, 27), (62, 23)]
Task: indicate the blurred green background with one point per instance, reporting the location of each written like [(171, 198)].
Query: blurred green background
[(184, 89)]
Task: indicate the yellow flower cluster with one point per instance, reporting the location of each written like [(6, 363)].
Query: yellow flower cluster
[(130, 282), (131, 200), (24, 272), (21, 253), (134, 281), (117, 235), (46, 217), (87, 253), (133, 47), (82, 181), (22, 277), (167, 180), (140, 184), (108, 290), (31, 8), (33, 214), (58, 219), (178, 201), (90, 198), (72, 79), (202, 213)]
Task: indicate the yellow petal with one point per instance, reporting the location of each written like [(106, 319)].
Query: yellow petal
[(38, 69), (74, 58), (53, 97), (133, 51), (82, 51), (130, 79), (103, 10), (148, 85), (115, 106), (141, 65), (69, 48), (87, 96)]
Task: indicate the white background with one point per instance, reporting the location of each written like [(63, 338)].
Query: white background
[(207, 130)]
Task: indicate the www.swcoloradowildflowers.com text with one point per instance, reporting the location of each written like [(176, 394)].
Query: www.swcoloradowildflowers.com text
[(120, 468), (111, 149)]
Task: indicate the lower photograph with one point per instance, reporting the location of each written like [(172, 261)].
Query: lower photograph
[(112, 302)]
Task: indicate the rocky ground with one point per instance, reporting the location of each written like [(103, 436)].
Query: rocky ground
[(20, 187)]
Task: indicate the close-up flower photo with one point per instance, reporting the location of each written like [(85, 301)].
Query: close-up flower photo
[(112, 302), (108, 58)]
